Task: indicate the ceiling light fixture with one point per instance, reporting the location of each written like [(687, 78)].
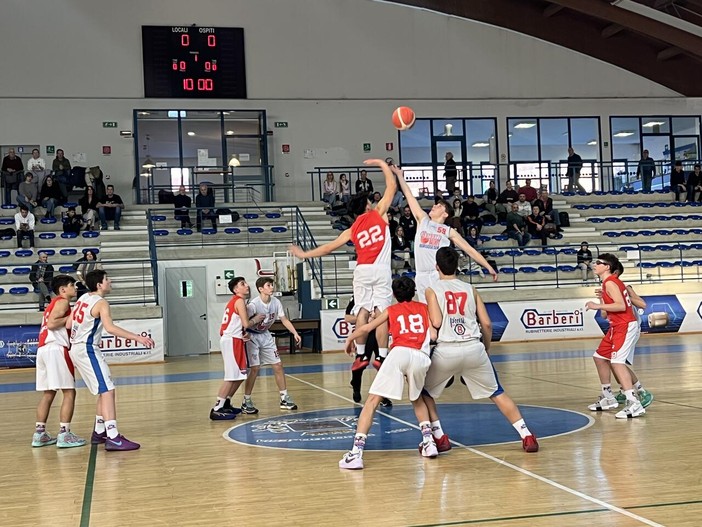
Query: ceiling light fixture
[(234, 162), (480, 144), (651, 124), (624, 133), (525, 125)]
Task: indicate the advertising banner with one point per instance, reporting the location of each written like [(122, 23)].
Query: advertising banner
[(18, 344)]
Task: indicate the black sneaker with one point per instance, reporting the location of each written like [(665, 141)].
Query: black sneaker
[(219, 415), (286, 403), (229, 408), (386, 403)]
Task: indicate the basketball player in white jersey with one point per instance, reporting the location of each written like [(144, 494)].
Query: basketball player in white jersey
[(372, 276), (458, 312), (432, 234), (90, 314), (54, 367), (261, 348)]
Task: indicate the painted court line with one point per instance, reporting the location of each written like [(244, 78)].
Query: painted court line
[(88, 491), (525, 472)]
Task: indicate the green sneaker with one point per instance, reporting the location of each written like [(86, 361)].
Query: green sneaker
[(646, 398), (42, 439), (620, 397), (69, 440), (247, 407)]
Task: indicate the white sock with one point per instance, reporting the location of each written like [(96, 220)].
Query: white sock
[(359, 443), (65, 427), (436, 429), (383, 352), (40, 427), (283, 394), (360, 349), (247, 398), (521, 427), (220, 403), (638, 386), (630, 396), (607, 391), (111, 427), (99, 425), (425, 427)]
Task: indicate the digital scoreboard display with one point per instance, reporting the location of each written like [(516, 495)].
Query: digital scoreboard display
[(194, 62)]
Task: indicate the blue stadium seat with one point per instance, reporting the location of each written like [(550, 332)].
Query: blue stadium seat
[(5, 254), (508, 270), (21, 270), (48, 252), (70, 204), (161, 232), (696, 231), (630, 219), (680, 232), (613, 219), (409, 274), (7, 221), (484, 238), (648, 248), (567, 268), (611, 234), (232, 230), (567, 193), (696, 246), (156, 217), (256, 230), (279, 229), (677, 217), (68, 252), (209, 232), (48, 221), (66, 269), (547, 269), (694, 217), (23, 253), (630, 205), (569, 250), (647, 205), (69, 235), (646, 265), (47, 235), (597, 206), (684, 263), (665, 264), (349, 243), (550, 251), (19, 290), (527, 269), (500, 237), (9, 206), (678, 204), (184, 232), (596, 220), (614, 206), (513, 252), (646, 218), (577, 207), (273, 215), (662, 218), (3, 271), (251, 216), (496, 254), (599, 193), (532, 252), (91, 234), (647, 233), (628, 248), (664, 232), (2, 291)]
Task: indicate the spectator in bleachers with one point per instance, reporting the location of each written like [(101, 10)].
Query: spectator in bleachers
[(536, 225), (645, 171), (88, 206), (61, 168), (364, 184), (205, 203), (50, 196), (72, 222), (376, 199), (528, 191), (182, 203), (473, 237), (575, 165), (24, 226), (27, 192), (505, 200), (12, 170), (677, 181), (516, 227), (40, 276), (455, 221), (89, 262), (490, 199), (37, 166), (694, 185), (110, 208), (402, 246), (450, 173), (545, 204), (584, 260), (330, 189), (344, 189), (408, 223), (470, 214), (524, 205)]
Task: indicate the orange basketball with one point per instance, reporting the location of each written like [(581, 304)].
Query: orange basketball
[(403, 118)]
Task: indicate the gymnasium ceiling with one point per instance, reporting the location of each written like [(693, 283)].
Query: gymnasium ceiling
[(646, 38)]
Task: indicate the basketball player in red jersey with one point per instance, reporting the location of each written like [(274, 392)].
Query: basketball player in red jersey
[(617, 346), (372, 276), (55, 368), (410, 328)]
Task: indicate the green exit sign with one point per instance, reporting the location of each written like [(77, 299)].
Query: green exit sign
[(281, 124), (109, 124), (366, 147), (229, 274)]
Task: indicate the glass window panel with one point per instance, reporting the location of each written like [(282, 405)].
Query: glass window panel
[(686, 126), (246, 150), (626, 138), (202, 139), (554, 139), (415, 144), (522, 139), (158, 138), (448, 127), (481, 143), (585, 137), (242, 123), (655, 125)]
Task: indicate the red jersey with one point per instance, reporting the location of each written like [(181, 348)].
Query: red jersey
[(231, 321), (409, 325), (618, 317), (371, 236), (51, 336)]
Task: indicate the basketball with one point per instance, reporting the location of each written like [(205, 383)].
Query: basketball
[(403, 118)]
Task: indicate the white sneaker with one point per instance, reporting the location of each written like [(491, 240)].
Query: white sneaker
[(429, 448), (631, 409), (604, 403), (352, 461)]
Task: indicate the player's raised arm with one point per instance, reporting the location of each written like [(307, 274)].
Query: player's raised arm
[(417, 210), (462, 244), (390, 185), (322, 250), (365, 329)]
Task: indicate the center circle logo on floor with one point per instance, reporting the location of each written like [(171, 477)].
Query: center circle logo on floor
[(472, 424)]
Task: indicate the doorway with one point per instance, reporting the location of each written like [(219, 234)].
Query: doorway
[(186, 309)]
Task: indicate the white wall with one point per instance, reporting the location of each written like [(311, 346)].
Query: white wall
[(334, 69)]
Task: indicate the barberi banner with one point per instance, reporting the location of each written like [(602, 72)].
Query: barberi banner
[(555, 319), (18, 344)]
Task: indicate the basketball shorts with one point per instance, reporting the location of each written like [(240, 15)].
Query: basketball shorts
[(92, 367), (54, 368), (424, 279), (372, 287), (467, 359), (618, 344), (401, 363), (261, 349), (234, 357)]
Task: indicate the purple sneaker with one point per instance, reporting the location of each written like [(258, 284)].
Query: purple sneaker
[(120, 443), (98, 439)]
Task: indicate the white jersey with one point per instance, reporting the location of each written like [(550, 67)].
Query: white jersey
[(272, 310), (457, 302), (85, 328), (431, 236)]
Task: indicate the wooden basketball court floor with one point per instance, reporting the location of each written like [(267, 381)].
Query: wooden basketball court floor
[(645, 471)]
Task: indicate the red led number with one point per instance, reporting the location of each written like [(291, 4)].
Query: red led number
[(202, 84), (211, 41), (188, 85), (178, 65), (184, 40), (210, 65)]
